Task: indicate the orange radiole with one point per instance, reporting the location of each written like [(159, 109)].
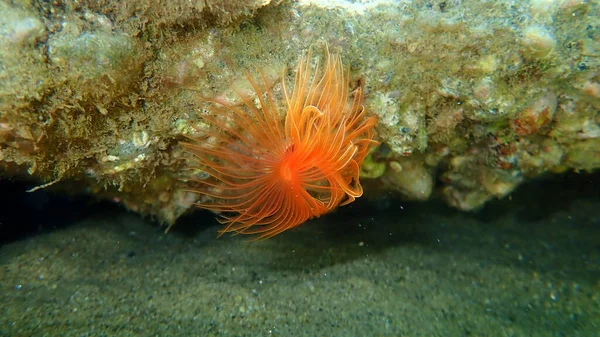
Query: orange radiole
[(269, 173)]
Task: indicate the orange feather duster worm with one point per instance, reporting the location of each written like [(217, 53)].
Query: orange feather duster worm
[(268, 173)]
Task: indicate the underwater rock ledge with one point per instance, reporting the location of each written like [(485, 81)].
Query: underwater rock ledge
[(473, 97)]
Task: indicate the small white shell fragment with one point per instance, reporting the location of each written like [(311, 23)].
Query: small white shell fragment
[(141, 139), (538, 41)]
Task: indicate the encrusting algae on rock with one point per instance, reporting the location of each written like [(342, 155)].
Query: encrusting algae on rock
[(268, 174)]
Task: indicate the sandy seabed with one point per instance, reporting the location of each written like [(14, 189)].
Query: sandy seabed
[(518, 268)]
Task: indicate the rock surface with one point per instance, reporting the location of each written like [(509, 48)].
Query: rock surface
[(475, 96)]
